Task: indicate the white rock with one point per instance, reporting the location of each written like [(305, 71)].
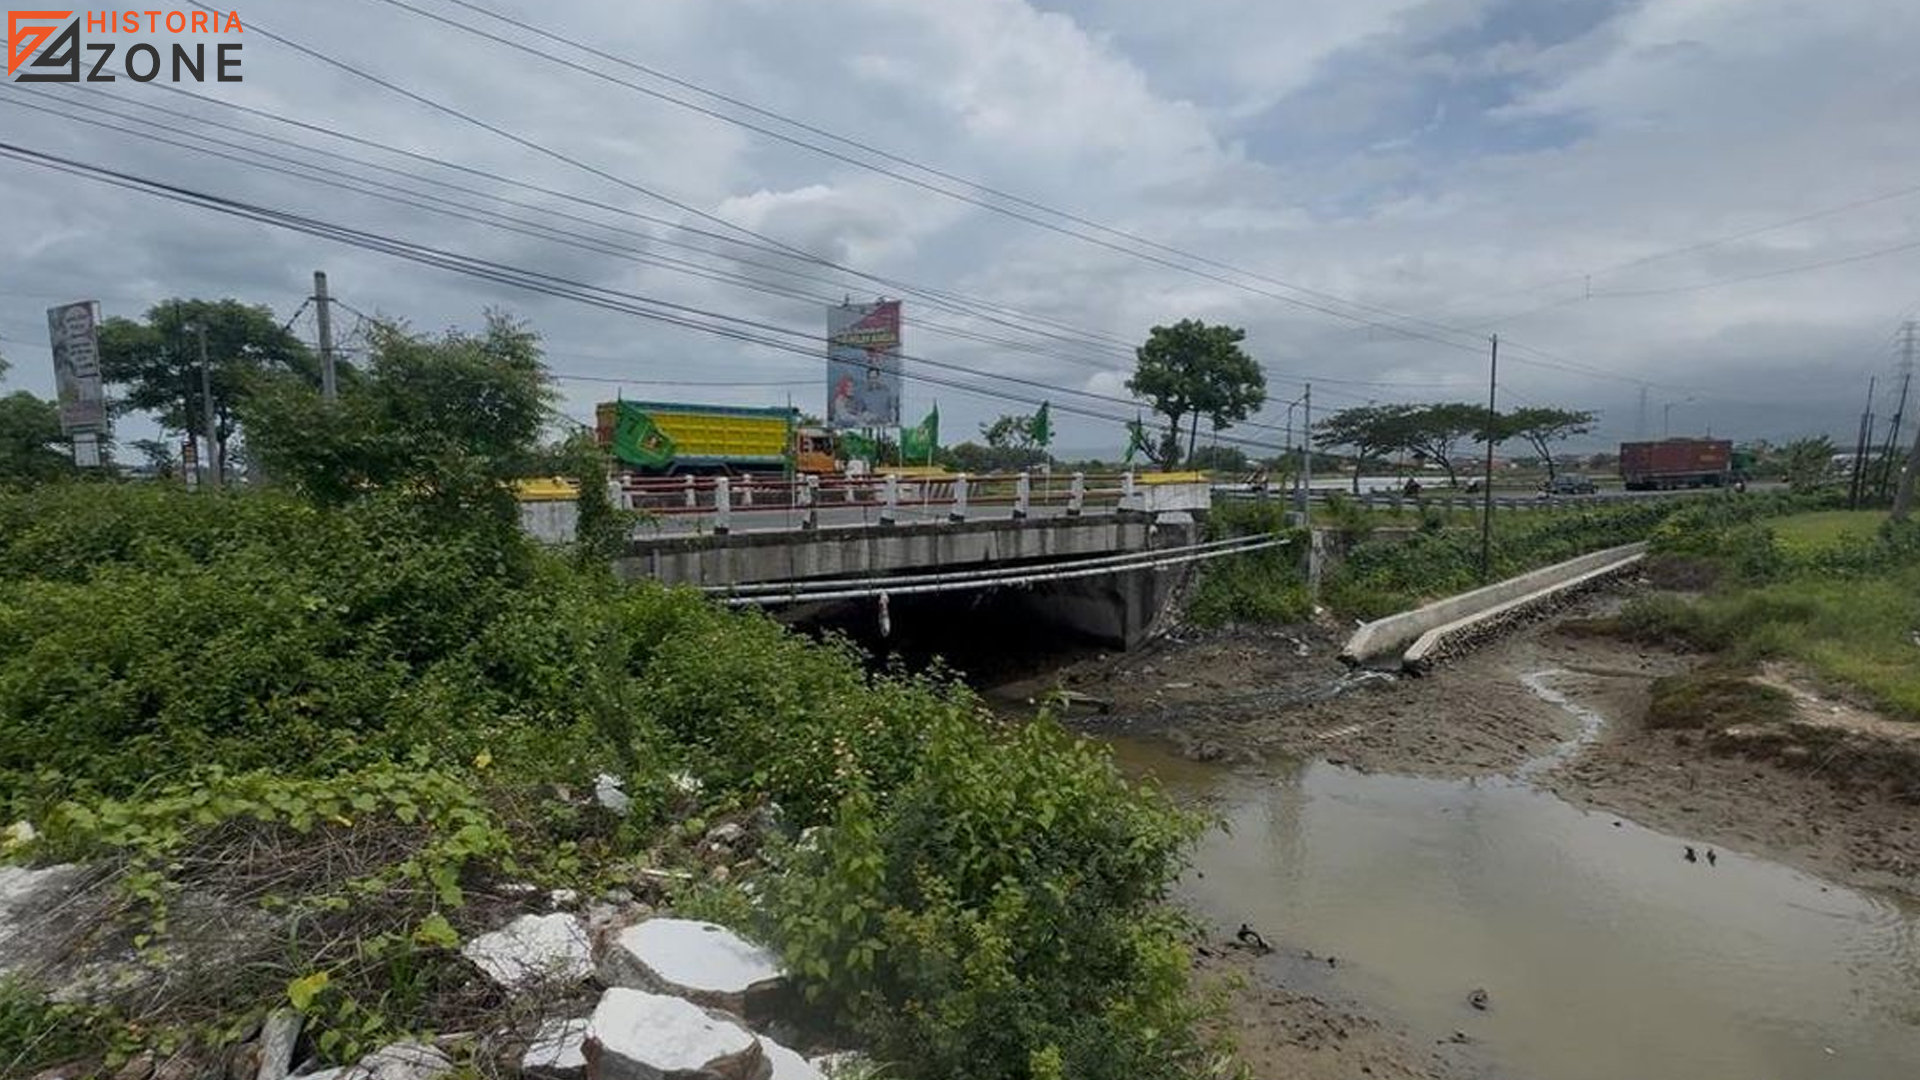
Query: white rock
[(533, 949), (640, 1036), (698, 961), (29, 903), (788, 1065), (611, 794), (401, 1061), (558, 1051), (563, 898), (277, 1038), (728, 833)]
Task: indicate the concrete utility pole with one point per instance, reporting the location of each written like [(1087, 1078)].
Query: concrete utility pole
[(329, 386), (206, 399), (1856, 488), (1493, 423), (1894, 430), (1306, 462), (1903, 501), (1640, 429)]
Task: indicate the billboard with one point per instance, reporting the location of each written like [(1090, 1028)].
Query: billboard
[(75, 333), (863, 365)]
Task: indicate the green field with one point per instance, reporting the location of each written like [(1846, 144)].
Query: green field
[(1826, 528)]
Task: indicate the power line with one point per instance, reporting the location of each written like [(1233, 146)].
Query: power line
[(638, 305)]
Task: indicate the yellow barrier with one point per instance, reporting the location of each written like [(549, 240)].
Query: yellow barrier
[(1171, 478), (545, 489)]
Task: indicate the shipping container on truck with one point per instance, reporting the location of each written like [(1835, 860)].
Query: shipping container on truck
[(1676, 463), (664, 438)]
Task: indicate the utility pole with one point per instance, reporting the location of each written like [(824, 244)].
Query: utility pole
[(1903, 501), (1856, 488), (1640, 431), (1899, 411), (1306, 462), (206, 399), (329, 387), (1493, 424)]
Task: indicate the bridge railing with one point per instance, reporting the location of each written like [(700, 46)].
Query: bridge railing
[(879, 499), (1450, 501)]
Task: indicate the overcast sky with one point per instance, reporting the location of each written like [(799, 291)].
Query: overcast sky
[(1426, 171)]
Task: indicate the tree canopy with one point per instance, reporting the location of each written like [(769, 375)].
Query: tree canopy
[(1370, 431), (156, 362), (1189, 371), (1541, 426), (451, 419), (32, 446), (1434, 432)]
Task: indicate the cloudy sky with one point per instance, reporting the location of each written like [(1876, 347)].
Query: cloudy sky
[(1713, 205)]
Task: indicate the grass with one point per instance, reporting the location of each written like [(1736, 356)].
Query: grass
[(1717, 698), (1810, 532), (1855, 631)]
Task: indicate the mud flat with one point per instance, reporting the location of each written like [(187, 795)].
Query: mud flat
[(1509, 823)]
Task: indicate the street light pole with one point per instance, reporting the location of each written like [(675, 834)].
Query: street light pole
[(1493, 423), (206, 399)]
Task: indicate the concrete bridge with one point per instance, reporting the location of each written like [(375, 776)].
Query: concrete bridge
[(1097, 558), (1103, 575)]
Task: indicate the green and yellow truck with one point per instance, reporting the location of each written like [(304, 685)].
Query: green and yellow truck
[(663, 438)]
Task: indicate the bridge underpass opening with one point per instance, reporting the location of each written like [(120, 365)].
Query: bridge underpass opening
[(994, 635)]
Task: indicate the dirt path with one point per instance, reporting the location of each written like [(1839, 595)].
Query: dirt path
[(1832, 805)]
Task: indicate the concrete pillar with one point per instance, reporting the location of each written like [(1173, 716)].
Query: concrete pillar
[(959, 511), (722, 507), (1077, 495), (1126, 485), (746, 491), (809, 493), (617, 495), (1022, 496), (693, 495), (890, 513)]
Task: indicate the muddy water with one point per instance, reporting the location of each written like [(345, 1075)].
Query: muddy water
[(1604, 954)]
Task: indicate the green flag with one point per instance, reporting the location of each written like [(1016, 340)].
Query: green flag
[(919, 444), (1137, 442), (1042, 429), (637, 440)]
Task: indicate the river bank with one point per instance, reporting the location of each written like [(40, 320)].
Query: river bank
[(1267, 729)]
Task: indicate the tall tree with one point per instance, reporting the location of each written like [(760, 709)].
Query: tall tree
[(1370, 431), (1434, 432), (157, 362), (1809, 462), (1189, 371), (449, 419), (32, 447), (1011, 443), (1543, 426)]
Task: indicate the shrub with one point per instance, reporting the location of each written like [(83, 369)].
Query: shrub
[(1000, 908), (1715, 699)]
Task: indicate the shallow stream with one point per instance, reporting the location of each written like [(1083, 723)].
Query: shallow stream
[(1604, 954)]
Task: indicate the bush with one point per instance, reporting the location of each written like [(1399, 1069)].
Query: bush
[(1000, 908), (178, 683), (1262, 587)]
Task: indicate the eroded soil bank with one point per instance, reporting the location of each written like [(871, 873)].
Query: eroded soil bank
[(1256, 705)]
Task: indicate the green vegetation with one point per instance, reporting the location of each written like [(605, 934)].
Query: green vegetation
[(1810, 532), (359, 706), (1381, 577), (1717, 698), (1830, 590), (1264, 587)]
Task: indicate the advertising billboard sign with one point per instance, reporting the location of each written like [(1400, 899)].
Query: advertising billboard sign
[(75, 335), (863, 365)]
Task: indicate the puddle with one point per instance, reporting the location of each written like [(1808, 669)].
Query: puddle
[(1604, 954)]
